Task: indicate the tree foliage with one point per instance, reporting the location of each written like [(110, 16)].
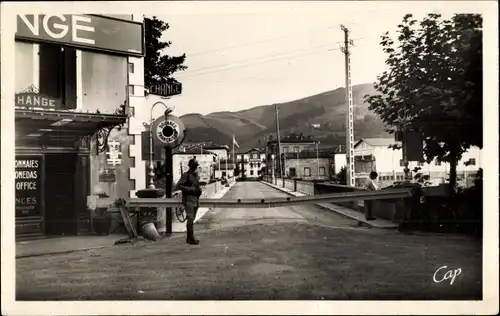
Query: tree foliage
[(433, 84), (158, 66)]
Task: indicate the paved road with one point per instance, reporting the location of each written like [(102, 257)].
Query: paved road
[(262, 254), (306, 214)]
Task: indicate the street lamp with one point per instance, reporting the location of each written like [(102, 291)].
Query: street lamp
[(272, 171), (151, 166)]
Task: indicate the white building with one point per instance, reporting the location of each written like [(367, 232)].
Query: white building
[(251, 163), (374, 154), (223, 166), (76, 80)]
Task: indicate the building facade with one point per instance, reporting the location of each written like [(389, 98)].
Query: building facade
[(309, 165), (251, 163), (288, 144), (74, 119), (374, 154)]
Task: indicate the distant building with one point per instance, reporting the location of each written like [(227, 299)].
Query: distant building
[(309, 165), (251, 163), (224, 167), (374, 154), (289, 144)]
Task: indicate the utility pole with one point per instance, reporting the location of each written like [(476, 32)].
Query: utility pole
[(350, 109), (279, 139)]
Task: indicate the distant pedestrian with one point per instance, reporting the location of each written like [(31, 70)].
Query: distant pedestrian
[(370, 185), (189, 184)]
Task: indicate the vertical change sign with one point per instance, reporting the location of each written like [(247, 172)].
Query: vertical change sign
[(28, 186)]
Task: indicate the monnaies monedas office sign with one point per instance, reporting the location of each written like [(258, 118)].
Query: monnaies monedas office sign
[(88, 31)]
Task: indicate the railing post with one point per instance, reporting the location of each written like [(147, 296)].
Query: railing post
[(283, 182), (295, 185)]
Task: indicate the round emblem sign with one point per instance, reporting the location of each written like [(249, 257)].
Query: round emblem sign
[(168, 131)]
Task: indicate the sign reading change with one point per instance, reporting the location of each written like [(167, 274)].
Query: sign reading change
[(28, 186)]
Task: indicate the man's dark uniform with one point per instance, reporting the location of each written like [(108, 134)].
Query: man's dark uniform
[(189, 184)]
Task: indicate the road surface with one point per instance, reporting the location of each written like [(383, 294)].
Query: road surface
[(289, 253)]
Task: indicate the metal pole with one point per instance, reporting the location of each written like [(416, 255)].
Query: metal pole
[(168, 186), (279, 140), (350, 110), (317, 158), (151, 151)]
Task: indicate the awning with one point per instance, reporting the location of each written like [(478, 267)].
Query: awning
[(40, 125)]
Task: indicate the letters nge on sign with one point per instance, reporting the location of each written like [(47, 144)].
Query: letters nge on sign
[(80, 27)]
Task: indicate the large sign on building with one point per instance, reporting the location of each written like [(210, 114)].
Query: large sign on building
[(28, 186), (83, 31)]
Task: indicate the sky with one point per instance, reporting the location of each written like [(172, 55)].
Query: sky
[(241, 56)]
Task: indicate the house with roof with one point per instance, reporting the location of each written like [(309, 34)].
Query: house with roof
[(251, 163)]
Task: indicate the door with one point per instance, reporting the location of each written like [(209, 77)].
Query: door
[(60, 213)]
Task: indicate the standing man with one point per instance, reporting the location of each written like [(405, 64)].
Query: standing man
[(370, 185), (189, 184)]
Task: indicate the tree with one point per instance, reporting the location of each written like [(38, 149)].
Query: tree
[(342, 175), (159, 67), (434, 84)]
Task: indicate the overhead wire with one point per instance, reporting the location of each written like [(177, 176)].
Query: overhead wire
[(262, 57), (258, 63), (282, 37)]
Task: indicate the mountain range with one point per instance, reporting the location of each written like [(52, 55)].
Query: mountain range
[(320, 116)]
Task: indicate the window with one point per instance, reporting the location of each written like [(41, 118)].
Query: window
[(285, 149), (307, 172), (131, 68), (401, 163), (251, 172), (57, 73), (292, 172), (437, 162), (223, 173), (296, 149), (322, 171), (472, 161)]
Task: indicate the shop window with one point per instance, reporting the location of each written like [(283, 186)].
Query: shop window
[(307, 172), (58, 73), (322, 171)]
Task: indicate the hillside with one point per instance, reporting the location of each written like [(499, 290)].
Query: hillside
[(252, 125)]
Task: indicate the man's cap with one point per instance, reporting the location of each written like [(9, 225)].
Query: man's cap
[(192, 162)]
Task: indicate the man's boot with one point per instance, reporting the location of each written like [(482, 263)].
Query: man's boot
[(190, 235)]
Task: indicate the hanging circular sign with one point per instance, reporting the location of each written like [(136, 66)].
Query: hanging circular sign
[(168, 131)]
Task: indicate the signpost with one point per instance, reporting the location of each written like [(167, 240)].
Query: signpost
[(168, 131), (166, 89)]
